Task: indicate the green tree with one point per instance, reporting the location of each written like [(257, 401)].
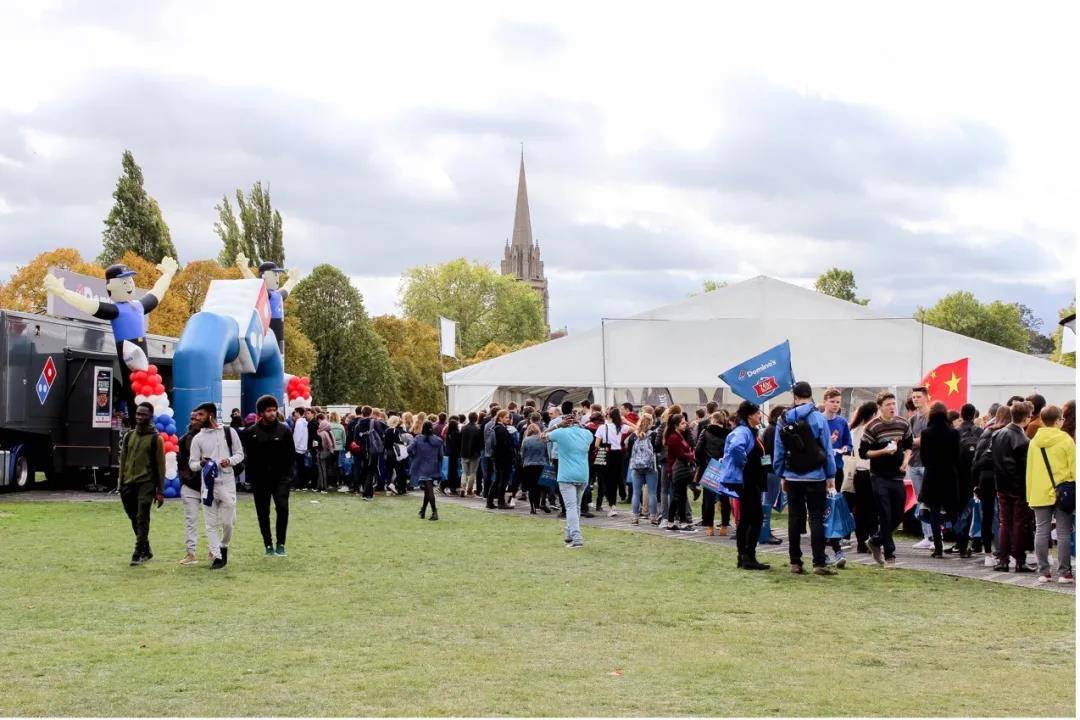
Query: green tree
[(414, 353), (839, 284), (257, 232), (961, 312), (352, 364), (134, 223), (487, 306), (1058, 335), (708, 286), (1038, 344)]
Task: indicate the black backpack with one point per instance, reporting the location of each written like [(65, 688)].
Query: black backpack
[(238, 468), (802, 452)]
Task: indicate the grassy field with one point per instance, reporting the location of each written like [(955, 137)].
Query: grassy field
[(378, 613)]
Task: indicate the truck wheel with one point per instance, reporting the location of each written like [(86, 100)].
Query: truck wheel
[(22, 478)]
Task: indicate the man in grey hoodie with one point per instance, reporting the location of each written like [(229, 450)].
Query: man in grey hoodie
[(212, 445)]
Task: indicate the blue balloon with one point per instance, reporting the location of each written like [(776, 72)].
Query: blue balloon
[(171, 492), (163, 419), (171, 429)]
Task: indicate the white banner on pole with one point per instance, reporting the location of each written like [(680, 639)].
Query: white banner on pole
[(448, 337)]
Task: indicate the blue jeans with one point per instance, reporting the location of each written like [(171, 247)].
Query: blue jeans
[(571, 496), (772, 491), (916, 474), (650, 479)]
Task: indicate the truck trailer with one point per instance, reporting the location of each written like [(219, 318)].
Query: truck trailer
[(62, 405)]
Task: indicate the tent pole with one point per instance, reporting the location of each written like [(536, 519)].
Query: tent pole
[(603, 359)]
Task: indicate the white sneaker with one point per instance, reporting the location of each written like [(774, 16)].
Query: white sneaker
[(512, 502), (923, 544), (990, 561), (1044, 579), (612, 513), (1066, 578)]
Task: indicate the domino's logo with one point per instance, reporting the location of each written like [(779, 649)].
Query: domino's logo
[(45, 380)]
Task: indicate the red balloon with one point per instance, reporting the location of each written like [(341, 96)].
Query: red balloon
[(138, 376), (159, 389), (139, 388), (293, 394), (151, 369)]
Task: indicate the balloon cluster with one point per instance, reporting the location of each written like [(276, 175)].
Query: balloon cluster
[(298, 390), (148, 386)]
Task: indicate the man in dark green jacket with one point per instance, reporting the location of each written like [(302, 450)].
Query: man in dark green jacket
[(142, 478)]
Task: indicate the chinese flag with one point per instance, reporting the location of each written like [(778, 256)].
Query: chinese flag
[(948, 384)]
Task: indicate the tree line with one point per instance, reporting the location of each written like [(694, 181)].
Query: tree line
[(394, 361)]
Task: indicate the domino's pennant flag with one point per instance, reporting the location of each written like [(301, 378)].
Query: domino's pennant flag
[(762, 376)]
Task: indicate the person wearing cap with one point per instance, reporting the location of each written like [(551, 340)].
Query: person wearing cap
[(125, 313), (276, 293), (268, 447), (806, 487)]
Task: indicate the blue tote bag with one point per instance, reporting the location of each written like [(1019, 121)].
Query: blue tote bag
[(549, 478), (839, 521)]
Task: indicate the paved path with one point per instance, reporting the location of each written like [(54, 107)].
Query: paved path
[(906, 557)]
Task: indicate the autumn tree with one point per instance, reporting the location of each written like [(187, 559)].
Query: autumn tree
[(414, 353), (257, 231), (487, 306), (839, 284), (24, 291), (135, 222)]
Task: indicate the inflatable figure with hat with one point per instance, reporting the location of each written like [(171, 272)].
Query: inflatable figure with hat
[(276, 292), (125, 313)]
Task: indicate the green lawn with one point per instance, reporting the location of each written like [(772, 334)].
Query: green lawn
[(378, 613)]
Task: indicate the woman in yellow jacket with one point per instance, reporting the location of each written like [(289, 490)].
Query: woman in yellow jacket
[(1051, 446)]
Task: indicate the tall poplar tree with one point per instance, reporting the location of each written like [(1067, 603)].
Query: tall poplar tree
[(135, 222)]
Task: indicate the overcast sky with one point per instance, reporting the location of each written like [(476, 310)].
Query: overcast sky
[(929, 150)]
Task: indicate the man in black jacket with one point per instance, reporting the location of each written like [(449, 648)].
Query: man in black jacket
[(269, 456), (1009, 451), (472, 445), (190, 491)]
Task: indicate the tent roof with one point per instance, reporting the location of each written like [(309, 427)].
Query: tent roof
[(690, 342)]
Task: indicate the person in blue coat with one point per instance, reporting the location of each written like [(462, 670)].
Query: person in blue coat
[(806, 476), (742, 467), (426, 453)]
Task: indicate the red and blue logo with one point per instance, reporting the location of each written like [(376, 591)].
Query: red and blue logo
[(45, 380)]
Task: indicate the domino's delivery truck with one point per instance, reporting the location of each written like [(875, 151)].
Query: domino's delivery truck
[(62, 405)]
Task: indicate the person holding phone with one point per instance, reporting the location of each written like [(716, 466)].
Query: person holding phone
[(887, 443)]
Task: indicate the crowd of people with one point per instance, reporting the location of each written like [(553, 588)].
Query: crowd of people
[(1000, 482)]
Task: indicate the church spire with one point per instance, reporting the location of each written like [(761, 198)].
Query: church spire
[(523, 236)]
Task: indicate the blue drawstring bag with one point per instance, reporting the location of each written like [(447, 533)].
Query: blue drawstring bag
[(549, 478), (209, 475), (445, 468), (976, 518), (839, 521), (346, 464), (710, 479), (781, 501)]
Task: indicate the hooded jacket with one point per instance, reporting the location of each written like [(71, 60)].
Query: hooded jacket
[(210, 444), (710, 446), (1061, 452), (426, 452), (472, 441), (326, 437), (269, 454)]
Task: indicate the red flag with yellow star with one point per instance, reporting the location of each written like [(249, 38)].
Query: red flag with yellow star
[(948, 384)]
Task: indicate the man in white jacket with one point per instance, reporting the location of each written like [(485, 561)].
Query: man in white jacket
[(212, 445)]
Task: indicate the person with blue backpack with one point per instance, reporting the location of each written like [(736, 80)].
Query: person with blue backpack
[(803, 458)]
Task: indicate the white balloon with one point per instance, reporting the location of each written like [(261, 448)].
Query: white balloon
[(167, 411), (170, 465), (140, 399)]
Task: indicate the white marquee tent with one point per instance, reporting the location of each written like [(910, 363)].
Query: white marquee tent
[(682, 348)]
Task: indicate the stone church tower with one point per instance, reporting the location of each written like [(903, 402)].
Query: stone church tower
[(521, 258)]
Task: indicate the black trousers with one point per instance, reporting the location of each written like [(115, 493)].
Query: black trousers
[(751, 518), (530, 483), (278, 491), (614, 476), (429, 496), (137, 499), (806, 503), (680, 481), (497, 485), (708, 508), (865, 507), (890, 495), (366, 466)]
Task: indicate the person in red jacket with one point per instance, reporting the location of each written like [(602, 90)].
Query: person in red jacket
[(680, 464)]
